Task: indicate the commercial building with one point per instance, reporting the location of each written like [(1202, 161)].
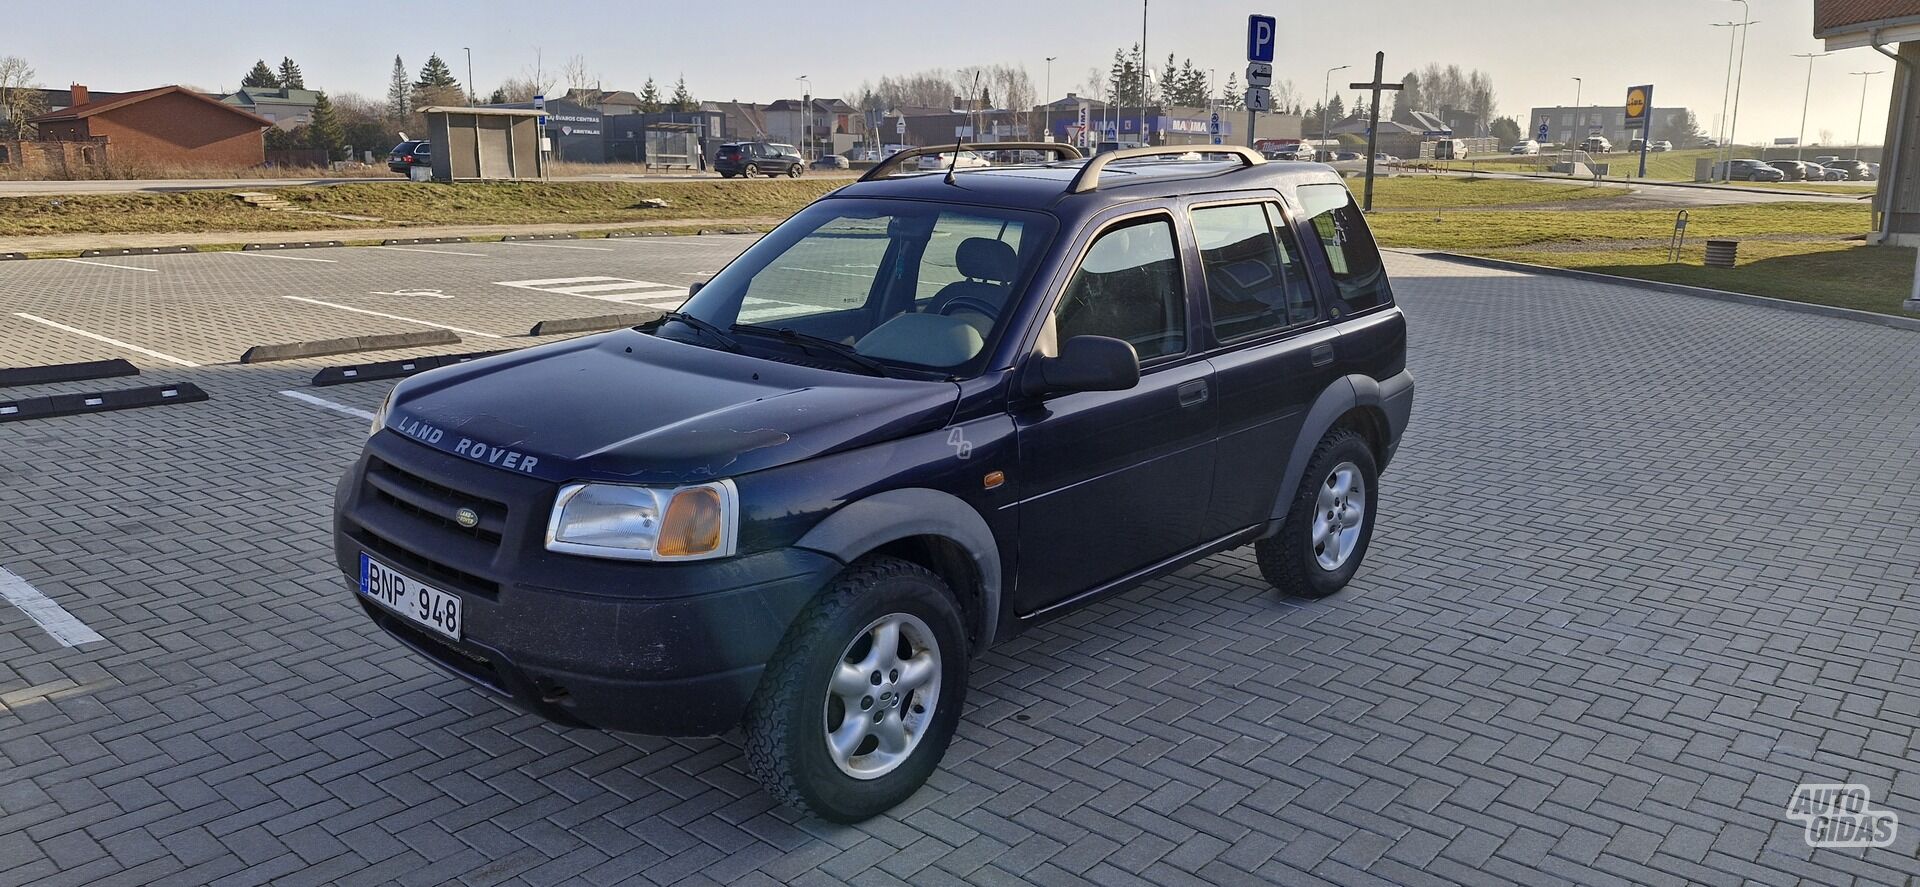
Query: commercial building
[(576, 133), (170, 125), (1164, 124), (1571, 126), (1892, 29)]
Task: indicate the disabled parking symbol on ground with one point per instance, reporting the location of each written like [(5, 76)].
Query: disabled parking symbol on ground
[(418, 293)]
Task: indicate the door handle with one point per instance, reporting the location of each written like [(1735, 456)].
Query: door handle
[(1194, 393), (1322, 354)]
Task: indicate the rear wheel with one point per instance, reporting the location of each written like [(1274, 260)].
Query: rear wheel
[(793, 172), (1330, 522), (753, 169), (859, 704)]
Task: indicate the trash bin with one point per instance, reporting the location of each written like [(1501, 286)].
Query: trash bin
[(420, 173), (1722, 253)]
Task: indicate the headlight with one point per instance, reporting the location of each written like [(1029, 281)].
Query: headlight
[(645, 523), (380, 415)]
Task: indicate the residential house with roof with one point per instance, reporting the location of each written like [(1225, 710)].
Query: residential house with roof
[(167, 125), (286, 108)]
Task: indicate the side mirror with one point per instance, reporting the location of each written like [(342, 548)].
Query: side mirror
[(693, 289), (1086, 363)]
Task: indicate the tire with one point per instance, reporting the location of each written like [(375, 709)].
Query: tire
[(753, 169), (796, 710), (1293, 561), (793, 172)]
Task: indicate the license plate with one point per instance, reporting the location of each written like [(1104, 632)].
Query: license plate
[(426, 607)]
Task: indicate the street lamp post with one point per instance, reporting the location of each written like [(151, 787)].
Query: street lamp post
[(1579, 115), (1048, 102), (1800, 144), (1143, 72), (1865, 78), (1326, 98), (1740, 79), (806, 118), (472, 97)]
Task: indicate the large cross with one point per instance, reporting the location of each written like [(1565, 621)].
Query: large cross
[(1373, 125)]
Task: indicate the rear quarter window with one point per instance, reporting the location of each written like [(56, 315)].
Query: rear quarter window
[(1353, 259)]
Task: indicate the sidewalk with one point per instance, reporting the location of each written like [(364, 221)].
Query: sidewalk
[(78, 242)]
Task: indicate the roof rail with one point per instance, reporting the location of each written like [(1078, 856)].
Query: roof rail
[(887, 167), (1089, 177)]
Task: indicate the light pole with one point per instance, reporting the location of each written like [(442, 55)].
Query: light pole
[(1579, 116), (1800, 144), (806, 120), (1049, 99), (1326, 98), (1723, 140), (1865, 77), (472, 97), (1143, 72), (1740, 79)]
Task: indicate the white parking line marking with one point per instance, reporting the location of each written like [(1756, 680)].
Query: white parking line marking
[(548, 281), (326, 404), (438, 252), (107, 265), (397, 317), (602, 249), (606, 289), (52, 617), (100, 338), (614, 287), (260, 255)]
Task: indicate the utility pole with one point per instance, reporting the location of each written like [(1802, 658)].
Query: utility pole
[(1326, 98), (1739, 79), (1726, 95), (1143, 72), (1865, 77), (1800, 144), (806, 117)]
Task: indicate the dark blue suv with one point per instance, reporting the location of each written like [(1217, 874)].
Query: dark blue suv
[(924, 414)]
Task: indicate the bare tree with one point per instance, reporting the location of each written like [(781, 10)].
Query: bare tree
[(19, 97), (1286, 97), (579, 82), (522, 89)]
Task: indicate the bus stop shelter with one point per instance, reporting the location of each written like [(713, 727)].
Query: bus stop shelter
[(485, 144)]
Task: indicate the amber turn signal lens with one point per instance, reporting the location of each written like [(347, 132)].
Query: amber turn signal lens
[(694, 524)]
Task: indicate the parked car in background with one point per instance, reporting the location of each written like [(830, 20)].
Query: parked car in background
[(751, 159), (968, 160), (1748, 170), (1634, 145), (1827, 159), (1818, 173), (832, 161), (1855, 170), (1799, 170), (1874, 169), (1385, 159), (1339, 156), (1661, 145), (1450, 149), (409, 154), (1597, 145), (1527, 147)]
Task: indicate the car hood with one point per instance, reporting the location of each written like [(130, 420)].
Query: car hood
[(634, 408)]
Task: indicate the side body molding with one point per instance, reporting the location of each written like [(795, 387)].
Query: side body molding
[(886, 517)]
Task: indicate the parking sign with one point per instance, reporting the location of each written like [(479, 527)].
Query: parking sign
[(1260, 38)]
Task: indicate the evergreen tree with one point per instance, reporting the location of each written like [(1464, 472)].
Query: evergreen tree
[(290, 75), (1409, 99), (1125, 78), (399, 93), (1336, 110), (499, 96), (435, 74), (324, 131), (650, 98), (261, 77), (1507, 130), (683, 100), (1171, 85), (1233, 96)]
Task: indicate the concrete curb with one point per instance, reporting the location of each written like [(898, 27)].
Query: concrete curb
[(349, 345), (412, 241), (67, 372), (104, 401), (1911, 324), (595, 324), (138, 251), (8, 257), (292, 244), (392, 369), (514, 237)]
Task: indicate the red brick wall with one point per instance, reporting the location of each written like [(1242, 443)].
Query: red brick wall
[(178, 129)]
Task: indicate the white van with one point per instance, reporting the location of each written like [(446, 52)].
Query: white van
[(1527, 147), (1450, 149)]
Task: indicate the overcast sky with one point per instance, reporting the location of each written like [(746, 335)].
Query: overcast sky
[(753, 49)]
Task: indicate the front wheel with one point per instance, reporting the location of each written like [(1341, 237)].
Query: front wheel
[(859, 703), (751, 171), (1328, 526)]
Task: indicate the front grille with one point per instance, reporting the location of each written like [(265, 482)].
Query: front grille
[(407, 520), (433, 502)]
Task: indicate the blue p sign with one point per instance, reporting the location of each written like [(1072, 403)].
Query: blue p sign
[(1260, 38)]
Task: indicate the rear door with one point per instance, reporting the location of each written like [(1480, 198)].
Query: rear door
[(1274, 349), (1112, 482)]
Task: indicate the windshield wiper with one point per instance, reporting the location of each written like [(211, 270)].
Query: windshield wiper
[(804, 340), (712, 330)]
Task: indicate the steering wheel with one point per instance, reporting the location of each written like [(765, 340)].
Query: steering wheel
[(974, 304)]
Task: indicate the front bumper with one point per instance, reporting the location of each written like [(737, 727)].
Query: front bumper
[(664, 649)]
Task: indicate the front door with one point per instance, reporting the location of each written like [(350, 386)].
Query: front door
[(1115, 481)]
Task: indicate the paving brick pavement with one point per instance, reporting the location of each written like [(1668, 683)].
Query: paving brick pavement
[(1644, 563)]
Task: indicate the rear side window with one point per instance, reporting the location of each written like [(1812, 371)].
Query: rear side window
[(1359, 279), (1255, 283), (1129, 287)]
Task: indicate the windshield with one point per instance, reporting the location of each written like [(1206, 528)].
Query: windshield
[(913, 285)]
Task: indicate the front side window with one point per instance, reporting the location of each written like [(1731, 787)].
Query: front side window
[(917, 285), (1255, 282), (1359, 278), (1129, 287)]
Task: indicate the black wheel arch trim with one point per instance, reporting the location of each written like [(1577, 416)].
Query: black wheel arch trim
[(1391, 397), (867, 524)]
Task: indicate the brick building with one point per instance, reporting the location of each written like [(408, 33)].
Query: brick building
[(170, 125)]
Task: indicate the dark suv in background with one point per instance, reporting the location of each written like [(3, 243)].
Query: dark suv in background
[(409, 154), (751, 159), (923, 415)]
